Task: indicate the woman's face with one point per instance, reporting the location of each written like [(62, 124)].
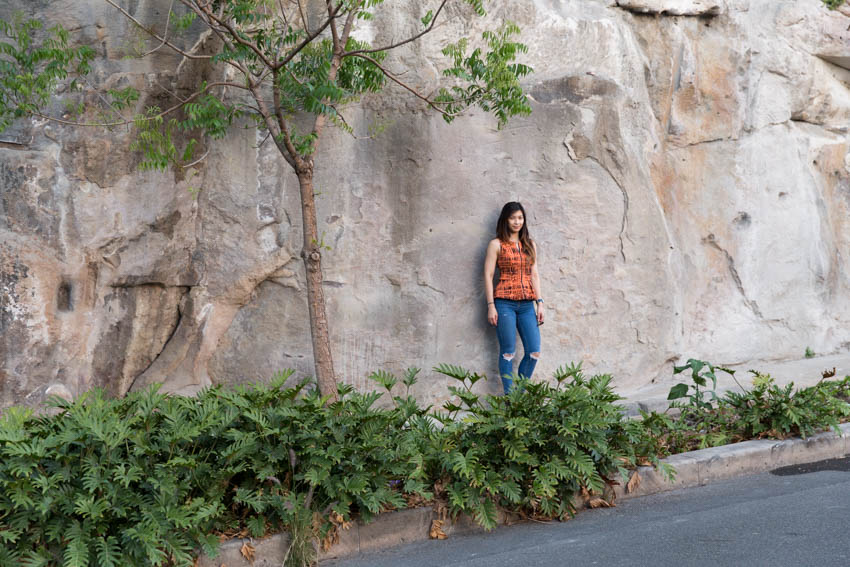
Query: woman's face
[(515, 222)]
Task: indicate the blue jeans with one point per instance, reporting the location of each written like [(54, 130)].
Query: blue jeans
[(513, 316)]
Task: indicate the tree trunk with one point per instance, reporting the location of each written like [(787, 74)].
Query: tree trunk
[(312, 255)]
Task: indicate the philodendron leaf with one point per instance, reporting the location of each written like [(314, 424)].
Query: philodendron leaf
[(678, 391)]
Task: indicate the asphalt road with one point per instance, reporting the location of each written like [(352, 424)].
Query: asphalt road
[(793, 516)]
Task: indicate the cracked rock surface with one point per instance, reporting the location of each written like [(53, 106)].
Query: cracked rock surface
[(685, 170)]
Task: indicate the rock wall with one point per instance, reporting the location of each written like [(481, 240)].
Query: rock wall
[(685, 170)]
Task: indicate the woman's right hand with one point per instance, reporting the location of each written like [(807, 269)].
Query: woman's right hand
[(492, 315)]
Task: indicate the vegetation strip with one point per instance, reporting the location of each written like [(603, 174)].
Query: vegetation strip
[(730, 461), (159, 480)]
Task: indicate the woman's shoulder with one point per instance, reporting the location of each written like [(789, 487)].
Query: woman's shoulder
[(495, 243)]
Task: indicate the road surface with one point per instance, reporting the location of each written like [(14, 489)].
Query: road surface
[(794, 516)]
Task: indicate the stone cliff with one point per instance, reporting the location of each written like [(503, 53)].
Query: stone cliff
[(686, 171)]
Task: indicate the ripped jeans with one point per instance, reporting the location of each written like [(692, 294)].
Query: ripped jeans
[(513, 316)]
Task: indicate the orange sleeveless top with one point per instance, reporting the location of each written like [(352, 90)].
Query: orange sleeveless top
[(514, 273)]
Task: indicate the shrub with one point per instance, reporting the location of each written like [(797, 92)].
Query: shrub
[(701, 420), (766, 410), (105, 482), (534, 449), (151, 479), (774, 411)]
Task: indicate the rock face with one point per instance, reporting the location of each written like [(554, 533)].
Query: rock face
[(685, 170)]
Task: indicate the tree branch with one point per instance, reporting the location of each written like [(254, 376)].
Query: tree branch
[(404, 85), (283, 13), (403, 42), (349, 22), (125, 122), (235, 35), (104, 99), (164, 33), (197, 161), (287, 148), (342, 119), (319, 122), (211, 19), (153, 34), (310, 37), (303, 18), (334, 32), (205, 13), (261, 144), (72, 123)]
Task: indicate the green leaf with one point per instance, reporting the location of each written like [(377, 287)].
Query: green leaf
[(456, 372), (108, 551), (385, 379), (257, 526), (510, 489), (485, 514), (33, 559), (678, 391), (410, 376)]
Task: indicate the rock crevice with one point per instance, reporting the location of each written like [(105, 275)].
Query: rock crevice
[(704, 8)]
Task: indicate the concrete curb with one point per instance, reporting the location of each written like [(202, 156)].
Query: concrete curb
[(705, 466), (695, 468)]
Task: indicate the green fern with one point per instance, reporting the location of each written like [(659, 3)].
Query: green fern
[(149, 479)]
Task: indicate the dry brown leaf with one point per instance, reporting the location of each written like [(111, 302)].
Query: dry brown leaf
[(609, 494), (331, 539), (597, 502), (643, 462), (437, 530), (634, 482), (247, 551), (337, 520), (441, 510), (414, 500)]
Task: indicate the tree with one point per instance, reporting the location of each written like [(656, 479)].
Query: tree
[(274, 66)]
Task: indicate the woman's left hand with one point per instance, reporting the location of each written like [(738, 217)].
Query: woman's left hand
[(539, 314)]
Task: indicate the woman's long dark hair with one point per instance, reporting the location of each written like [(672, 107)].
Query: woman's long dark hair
[(504, 233)]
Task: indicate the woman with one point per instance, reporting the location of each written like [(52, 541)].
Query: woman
[(511, 306)]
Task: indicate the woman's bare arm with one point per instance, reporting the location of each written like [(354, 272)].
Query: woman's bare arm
[(535, 282), (489, 272)]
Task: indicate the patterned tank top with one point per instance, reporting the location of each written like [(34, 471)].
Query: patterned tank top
[(514, 273)]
